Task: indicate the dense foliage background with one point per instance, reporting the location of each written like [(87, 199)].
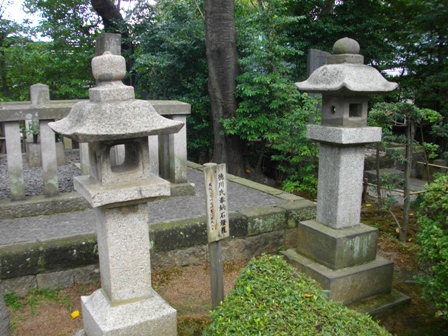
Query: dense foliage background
[(164, 44)]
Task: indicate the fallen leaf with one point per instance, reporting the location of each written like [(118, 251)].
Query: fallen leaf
[(75, 314)]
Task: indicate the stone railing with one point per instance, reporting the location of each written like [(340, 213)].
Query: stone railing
[(168, 154)]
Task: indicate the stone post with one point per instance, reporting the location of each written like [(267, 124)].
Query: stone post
[(40, 94), (153, 142), (315, 59), (15, 165), (164, 156), (46, 150), (49, 160), (108, 42), (178, 152), (171, 153)]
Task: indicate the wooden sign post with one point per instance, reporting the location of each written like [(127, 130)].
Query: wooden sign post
[(217, 225)]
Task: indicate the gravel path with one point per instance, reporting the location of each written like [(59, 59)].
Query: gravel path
[(63, 225), (33, 176)]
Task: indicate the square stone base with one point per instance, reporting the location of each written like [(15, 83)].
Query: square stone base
[(337, 249), (349, 284), (151, 316)]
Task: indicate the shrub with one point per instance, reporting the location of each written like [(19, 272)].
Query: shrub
[(433, 239), (271, 298)]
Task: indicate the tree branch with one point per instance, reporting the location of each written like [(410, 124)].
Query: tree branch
[(108, 12)]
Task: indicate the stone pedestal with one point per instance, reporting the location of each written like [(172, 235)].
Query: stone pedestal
[(150, 316), (348, 284), (336, 249), (126, 304)]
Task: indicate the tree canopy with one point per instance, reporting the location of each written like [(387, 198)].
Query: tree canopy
[(165, 46)]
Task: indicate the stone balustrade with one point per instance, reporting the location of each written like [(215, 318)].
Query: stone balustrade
[(168, 153)]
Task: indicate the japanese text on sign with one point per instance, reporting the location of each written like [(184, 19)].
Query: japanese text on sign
[(216, 201)]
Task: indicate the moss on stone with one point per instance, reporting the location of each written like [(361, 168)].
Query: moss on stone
[(19, 260)]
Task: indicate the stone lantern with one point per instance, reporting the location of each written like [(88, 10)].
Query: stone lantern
[(336, 249), (345, 84), (126, 304)]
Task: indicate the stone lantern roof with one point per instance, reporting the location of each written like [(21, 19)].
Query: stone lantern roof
[(112, 113), (345, 74)]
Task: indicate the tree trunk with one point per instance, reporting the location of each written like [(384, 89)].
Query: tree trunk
[(328, 7), (4, 73), (3, 65), (425, 157), (108, 12), (222, 70), (410, 133), (114, 23), (378, 180)]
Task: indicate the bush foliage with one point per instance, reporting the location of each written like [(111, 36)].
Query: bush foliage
[(433, 239), (271, 298)]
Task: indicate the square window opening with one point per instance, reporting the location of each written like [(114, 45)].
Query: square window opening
[(127, 161), (355, 110)]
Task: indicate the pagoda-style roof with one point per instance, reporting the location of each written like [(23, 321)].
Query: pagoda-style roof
[(114, 120), (112, 113), (346, 78), (346, 74)]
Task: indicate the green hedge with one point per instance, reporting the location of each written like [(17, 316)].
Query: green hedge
[(433, 240), (271, 298)]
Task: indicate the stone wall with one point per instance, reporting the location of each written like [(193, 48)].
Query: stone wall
[(65, 262)]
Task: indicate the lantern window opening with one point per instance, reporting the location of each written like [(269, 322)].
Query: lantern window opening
[(131, 158), (355, 110)]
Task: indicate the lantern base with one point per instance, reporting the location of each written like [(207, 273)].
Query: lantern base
[(350, 284), (344, 135), (151, 316)]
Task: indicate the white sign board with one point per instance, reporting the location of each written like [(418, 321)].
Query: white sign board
[(216, 201)]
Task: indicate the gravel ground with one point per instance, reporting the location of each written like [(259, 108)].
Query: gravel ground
[(33, 176)]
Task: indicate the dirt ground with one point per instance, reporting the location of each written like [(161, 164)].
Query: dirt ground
[(187, 289)]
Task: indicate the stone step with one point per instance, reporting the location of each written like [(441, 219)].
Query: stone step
[(337, 249), (378, 304), (349, 284)]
